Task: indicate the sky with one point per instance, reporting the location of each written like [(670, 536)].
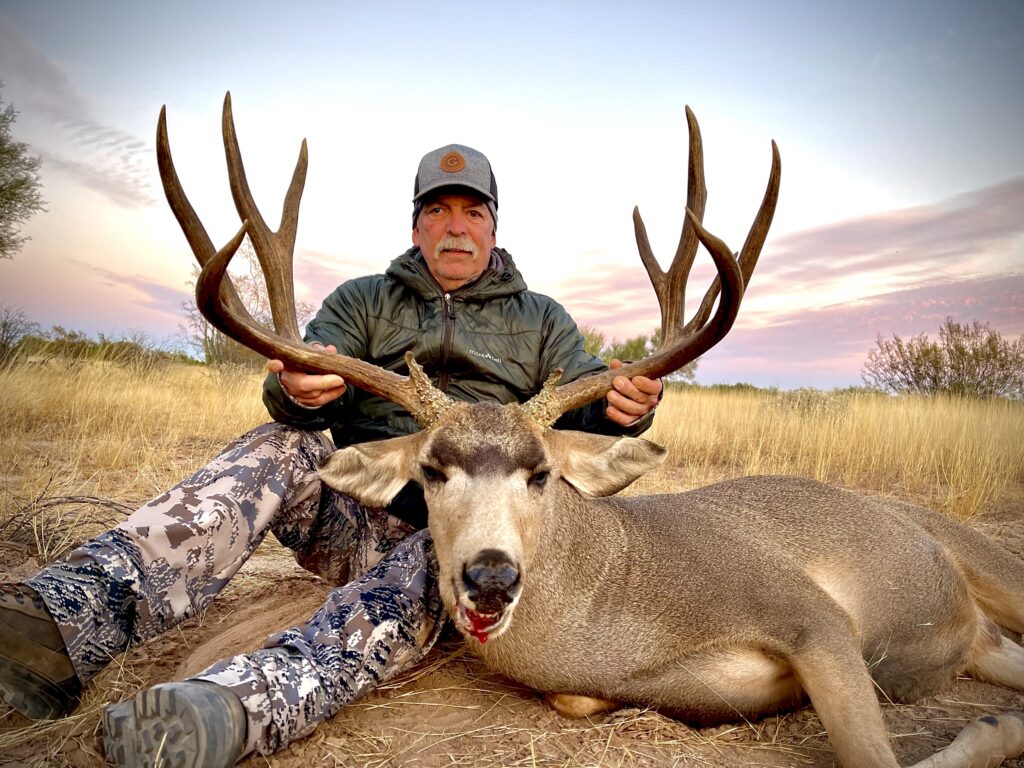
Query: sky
[(899, 125)]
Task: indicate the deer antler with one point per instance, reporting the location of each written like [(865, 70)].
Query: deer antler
[(679, 343), (218, 300), (674, 282)]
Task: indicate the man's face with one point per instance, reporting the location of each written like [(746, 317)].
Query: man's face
[(456, 234)]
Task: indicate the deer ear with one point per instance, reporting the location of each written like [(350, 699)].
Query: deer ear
[(597, 465), (372, 473)]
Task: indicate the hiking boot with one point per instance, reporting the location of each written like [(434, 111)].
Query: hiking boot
[(36, 675), (192, 724)]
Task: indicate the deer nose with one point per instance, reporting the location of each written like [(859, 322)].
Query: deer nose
[(491, 579)]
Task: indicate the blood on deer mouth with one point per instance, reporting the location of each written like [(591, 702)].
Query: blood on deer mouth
[(477, 624)]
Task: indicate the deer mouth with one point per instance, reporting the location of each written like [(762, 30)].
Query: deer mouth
[(486, 593), (472, 620)]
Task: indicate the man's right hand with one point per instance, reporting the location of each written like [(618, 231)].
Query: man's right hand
[(308, 389)]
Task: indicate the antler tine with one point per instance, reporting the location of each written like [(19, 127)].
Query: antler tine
[(751, 246), (763, 221), (670, 287), (195, 232), (219, 303), (696, 338), (275, 250)]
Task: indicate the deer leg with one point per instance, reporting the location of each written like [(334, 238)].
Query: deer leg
[(832, 672), (576, 706), (842, 695), (996, 659), (984, 743)]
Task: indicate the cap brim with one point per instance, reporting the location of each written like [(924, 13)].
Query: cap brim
[(477, 192)]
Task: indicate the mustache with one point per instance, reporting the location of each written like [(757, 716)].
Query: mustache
[(451, 243)]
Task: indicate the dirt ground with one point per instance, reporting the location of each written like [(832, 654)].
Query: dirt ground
[(450, 711)]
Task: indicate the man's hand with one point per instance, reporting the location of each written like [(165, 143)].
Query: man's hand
[(310, 390), (631, 399)]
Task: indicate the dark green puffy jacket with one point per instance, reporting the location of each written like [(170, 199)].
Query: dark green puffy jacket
[(490, 340)]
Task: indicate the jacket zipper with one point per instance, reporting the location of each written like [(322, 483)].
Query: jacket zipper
[(448, 330)]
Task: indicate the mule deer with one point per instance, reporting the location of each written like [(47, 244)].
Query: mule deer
[(734, 600)]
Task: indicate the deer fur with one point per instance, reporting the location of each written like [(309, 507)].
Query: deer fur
[(732, 601)]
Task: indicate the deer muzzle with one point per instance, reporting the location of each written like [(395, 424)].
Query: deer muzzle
[(490, 586)]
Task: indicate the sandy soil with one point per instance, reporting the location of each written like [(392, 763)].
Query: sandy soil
[(450, 711)]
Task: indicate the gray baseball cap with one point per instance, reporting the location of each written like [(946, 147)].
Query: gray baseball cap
[(457, 166)]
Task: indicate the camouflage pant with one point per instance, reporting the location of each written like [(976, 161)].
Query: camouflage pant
[(169, 559)]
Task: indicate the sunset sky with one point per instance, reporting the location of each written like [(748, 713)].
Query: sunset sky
[(900, 127)]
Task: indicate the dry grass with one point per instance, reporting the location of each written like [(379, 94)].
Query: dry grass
[(80, 444), (110, 431), (954, 455)]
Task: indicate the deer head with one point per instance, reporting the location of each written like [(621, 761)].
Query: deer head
[(491, 474)]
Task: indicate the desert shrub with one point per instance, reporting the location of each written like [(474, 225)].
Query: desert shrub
[(970, 360), (14, 328)]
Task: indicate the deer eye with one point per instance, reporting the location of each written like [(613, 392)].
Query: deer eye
[(539, 479), (432, 474)]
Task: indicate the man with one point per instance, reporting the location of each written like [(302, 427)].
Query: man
[(460, 305)]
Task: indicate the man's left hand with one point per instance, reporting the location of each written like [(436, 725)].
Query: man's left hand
[(631, 399)]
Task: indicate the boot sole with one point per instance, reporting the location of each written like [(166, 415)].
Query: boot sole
[(173, 725)]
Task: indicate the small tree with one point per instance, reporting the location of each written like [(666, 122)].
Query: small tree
[(593, 339), (635, 348), (968, 360), (20, 197), (14, 326), (216, 348)]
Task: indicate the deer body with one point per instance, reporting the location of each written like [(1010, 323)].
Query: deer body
[(695, 603)]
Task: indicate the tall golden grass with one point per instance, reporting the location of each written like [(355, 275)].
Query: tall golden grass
[(91, 431), (128, 434), (955, 455)]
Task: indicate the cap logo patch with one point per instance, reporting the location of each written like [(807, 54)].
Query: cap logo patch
[(453, 162)]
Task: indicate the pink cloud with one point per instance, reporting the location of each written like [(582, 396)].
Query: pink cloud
[(827, 347), (317, 274), (916, 240), (924, 245), (145, 293)]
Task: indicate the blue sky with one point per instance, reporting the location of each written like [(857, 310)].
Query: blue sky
[(899, 126)]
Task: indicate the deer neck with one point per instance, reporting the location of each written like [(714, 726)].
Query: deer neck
[(582, 539)]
